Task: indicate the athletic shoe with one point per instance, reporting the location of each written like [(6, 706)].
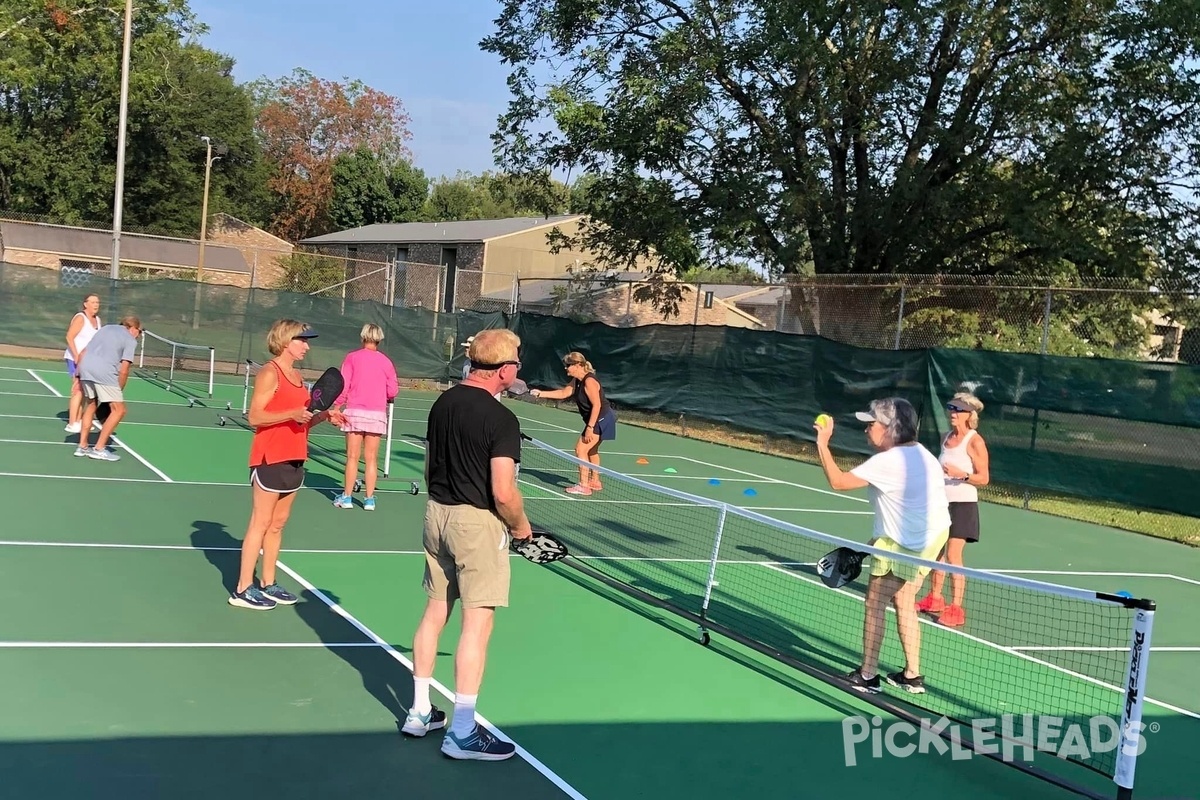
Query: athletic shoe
[(280, 595), (369, 504), (931, 604), (911, 685), (478, 745), (104, 455), (953, 617), (343, 501), (252, 598), (73, 427), (860, 684), (82, 451), (579, 489), (420, 724)]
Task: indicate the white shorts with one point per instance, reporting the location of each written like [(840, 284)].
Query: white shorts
[(102, 393)]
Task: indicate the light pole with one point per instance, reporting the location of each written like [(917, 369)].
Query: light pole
[(119, 199), (208, 162)]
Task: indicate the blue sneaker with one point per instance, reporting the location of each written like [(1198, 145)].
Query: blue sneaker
[(420, 724), (479, 745), (252, 598), (343, 501), (280, 595), (369, 504)]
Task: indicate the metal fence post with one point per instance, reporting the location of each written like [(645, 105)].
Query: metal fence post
[(1041, 363), (900, 318)]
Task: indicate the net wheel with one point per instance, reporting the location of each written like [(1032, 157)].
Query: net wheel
[(221, 421), (414, 489), (358, 485)]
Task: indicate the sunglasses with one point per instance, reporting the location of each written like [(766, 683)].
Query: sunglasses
[(953, 408)]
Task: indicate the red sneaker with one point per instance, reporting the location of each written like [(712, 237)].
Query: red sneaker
[(931, 604), (953, 617)]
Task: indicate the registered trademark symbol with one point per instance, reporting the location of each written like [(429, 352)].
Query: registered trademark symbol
[(1154, 726)]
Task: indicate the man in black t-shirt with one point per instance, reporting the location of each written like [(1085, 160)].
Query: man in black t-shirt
[(471, 454)]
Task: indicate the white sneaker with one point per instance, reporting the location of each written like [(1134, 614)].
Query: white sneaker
[(103, 455), (73, 427)]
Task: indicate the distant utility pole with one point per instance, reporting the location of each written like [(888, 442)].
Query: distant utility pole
[(208, 162), (119, 199)]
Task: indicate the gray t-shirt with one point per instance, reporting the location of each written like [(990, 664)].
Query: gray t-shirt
[(102, 359)]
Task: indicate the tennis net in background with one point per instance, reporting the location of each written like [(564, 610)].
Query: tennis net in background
[(187, 369), (328, 444), (1029, 651)]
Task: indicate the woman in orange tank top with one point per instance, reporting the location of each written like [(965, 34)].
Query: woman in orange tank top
[(281, 419)]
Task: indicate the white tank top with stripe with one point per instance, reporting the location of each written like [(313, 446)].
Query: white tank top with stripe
[(957, 489)]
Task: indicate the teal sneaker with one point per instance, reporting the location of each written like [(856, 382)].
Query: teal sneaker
[(369, 504), (479, 745), (420, 724), (343, 501)]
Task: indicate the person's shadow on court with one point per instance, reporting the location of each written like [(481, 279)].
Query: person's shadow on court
[(384, 677)]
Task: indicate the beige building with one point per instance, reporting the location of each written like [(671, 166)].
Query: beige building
[(452, 265)]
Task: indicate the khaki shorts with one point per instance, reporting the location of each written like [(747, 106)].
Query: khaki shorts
[(905, 570), (466, 556), (102, 393)]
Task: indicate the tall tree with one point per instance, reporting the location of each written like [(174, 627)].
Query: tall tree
[(305, 123), (59, 106), (873, 136)]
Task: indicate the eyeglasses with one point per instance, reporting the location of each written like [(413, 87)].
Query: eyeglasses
[(955, 409)]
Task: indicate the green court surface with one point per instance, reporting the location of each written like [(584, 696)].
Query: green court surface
[(128, 675)]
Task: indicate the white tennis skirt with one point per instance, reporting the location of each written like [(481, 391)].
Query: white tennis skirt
[(361, 420)]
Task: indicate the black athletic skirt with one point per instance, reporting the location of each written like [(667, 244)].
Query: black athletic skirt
[(282, 478), (964, 521)]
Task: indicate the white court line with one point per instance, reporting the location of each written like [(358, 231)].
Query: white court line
[(16, 380), (546, 772), (38, 378), (126, 447), (1192, 581), (187, 645), (986, 643), (1153, 649), (204, 548), (157, 482)]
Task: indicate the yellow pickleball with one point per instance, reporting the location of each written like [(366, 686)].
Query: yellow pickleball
[(824, 419)]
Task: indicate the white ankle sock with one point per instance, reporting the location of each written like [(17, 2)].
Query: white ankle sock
[(464, 714), (421, 702)]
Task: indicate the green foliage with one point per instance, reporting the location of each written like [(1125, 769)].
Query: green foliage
[(59, 109), (495, 196), (306, 273), (1024, 138)]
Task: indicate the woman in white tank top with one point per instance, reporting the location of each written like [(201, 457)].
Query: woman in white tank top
[(964, 460), (83, 327)]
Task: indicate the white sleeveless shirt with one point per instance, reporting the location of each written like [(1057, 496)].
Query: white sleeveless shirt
[(957, 489), (85, 334)]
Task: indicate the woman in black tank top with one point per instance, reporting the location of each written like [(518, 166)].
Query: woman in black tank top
[(600, 421)]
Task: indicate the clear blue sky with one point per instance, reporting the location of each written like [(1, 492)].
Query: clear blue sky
[(424, 53)]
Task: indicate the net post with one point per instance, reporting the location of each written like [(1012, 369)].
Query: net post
[(1131, 741), (246, 389), (212, 368), (712, 563), (171, 374), (387, 453), (142, 353)]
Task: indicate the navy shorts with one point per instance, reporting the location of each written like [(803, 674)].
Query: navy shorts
[(606, 426)]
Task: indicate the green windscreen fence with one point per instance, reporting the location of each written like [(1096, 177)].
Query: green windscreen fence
[(1123, 431)]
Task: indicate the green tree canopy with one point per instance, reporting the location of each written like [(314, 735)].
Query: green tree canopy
[(59, 109), (1055, 138)]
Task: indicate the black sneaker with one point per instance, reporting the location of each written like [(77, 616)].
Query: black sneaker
[(911, 685), (861, 684)]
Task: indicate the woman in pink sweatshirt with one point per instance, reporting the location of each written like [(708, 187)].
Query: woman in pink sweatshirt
[(370, 384)]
